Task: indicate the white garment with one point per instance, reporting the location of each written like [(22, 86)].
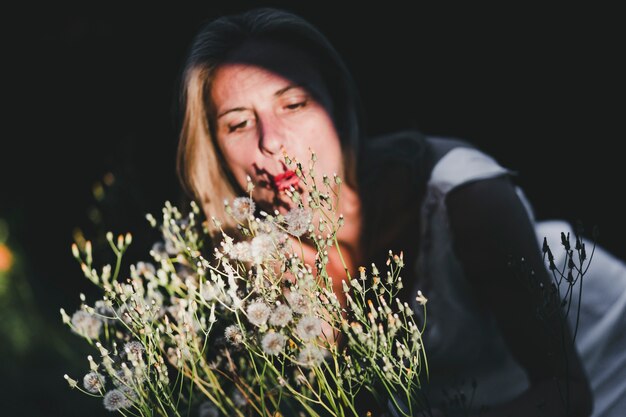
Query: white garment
[(462, 341)]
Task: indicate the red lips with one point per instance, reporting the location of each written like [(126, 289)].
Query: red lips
[(285, 180)]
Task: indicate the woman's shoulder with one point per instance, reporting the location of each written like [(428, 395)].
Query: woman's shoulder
[(394, 155), (411, 143), (426, 161), (458, 162)]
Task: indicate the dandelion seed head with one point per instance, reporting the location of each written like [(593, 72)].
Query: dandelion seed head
[(273, 343), (310, 356), (258, 313), (269, 226), (241, 251), (297, 220), (281, 316), (115, 399), (134, 350), (233, 335), (261, 247), (93, 382), (243, 208), (309, 328), (298, 302), (131, 394), (123, 377), (105, 312), (86, 324)]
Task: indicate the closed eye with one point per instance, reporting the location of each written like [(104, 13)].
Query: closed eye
[(295, 106), (237, 126)]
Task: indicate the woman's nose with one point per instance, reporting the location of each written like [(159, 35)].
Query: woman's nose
[(272, 136)]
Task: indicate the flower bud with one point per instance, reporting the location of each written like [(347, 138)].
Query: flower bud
[(75, 251), (70, 381)]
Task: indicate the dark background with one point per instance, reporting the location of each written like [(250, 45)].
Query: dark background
[(90, 92)]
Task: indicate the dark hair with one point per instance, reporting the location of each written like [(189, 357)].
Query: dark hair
[(198, 162)]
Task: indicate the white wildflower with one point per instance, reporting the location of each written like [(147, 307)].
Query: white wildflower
[(261, 247), (123, 377), (134, 350), (130, 393), (154, 298), (273, 343), (158, 250), (420, 298), (209, 292), (299, 304), (105, 312), (234, 335), (241, 251), (281, 316), (269, 227), (309, 328), (93, 382), (297, 220), (258, 313), (146, 269), (171, 247), (310, 355), (86, 324), (116, 399), (243, 208)]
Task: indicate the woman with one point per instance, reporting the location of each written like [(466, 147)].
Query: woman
[(265, 82)]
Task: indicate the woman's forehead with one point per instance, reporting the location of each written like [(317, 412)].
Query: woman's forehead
[(285, 60), (233, 84)]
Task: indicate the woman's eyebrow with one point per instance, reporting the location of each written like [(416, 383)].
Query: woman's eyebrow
[(289, 87), (276, 94)]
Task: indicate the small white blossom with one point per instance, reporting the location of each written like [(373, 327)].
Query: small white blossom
[(241, 251), (243, 208), (234, 335), (123, 377), (261, 247), (145, 269), (258, 313), (273, 343), (86, 324), (297, 220), (134, 350), (281, 316), (105, 312), (116, 399), (93, 382), (310, 355), (309, 328), (420, 298), (299, 304)]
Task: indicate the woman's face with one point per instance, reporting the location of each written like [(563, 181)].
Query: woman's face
[(258, 113)]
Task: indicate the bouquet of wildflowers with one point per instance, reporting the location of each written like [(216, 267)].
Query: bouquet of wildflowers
[(248, 328)]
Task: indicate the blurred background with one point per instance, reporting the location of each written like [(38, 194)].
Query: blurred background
[(89, 139)]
